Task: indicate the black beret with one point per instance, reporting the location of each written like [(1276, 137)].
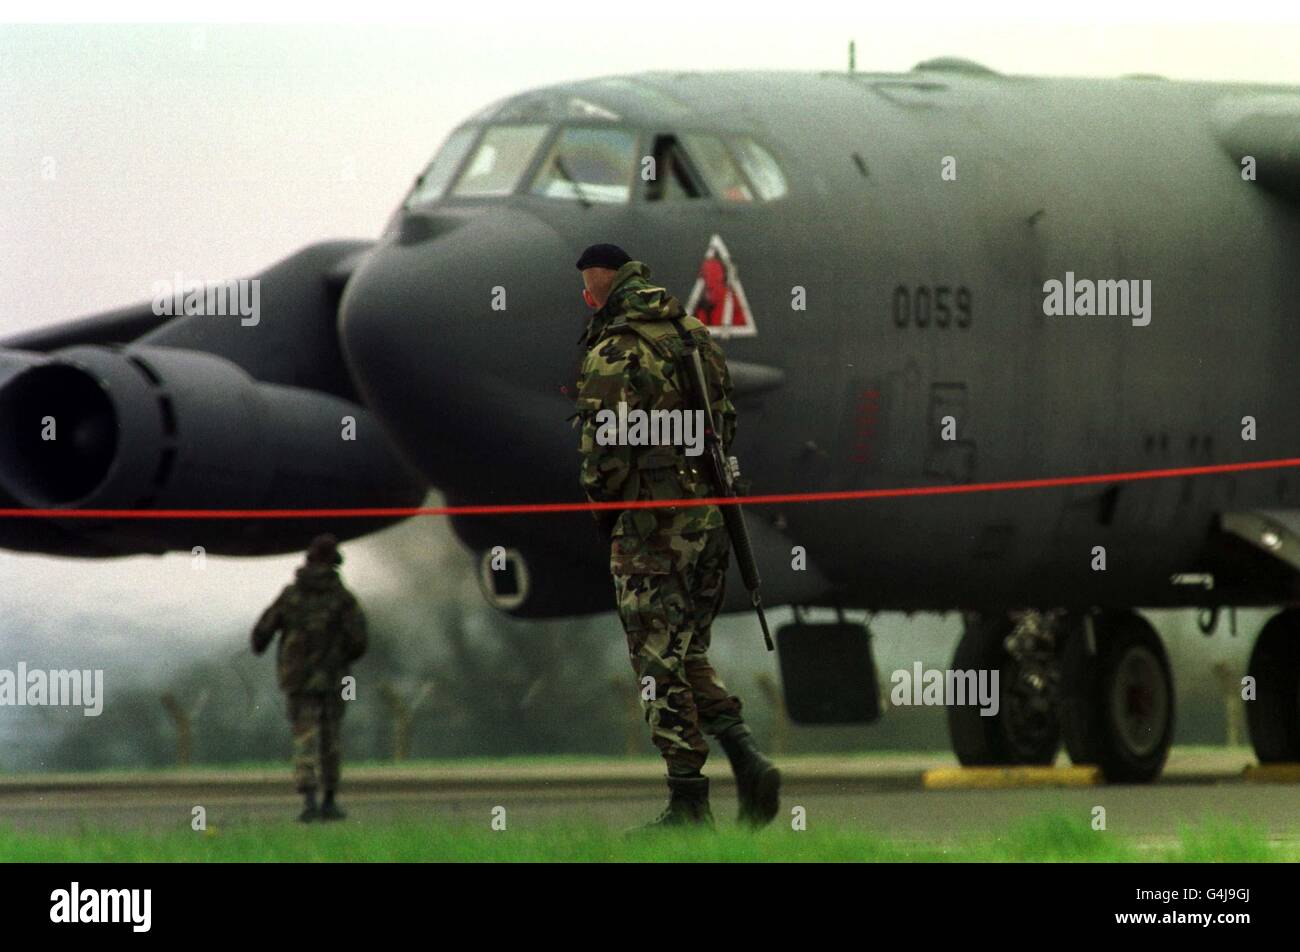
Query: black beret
[(603, 256), (325, 550)]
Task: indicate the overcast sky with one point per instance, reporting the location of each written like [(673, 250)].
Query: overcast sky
[(216, 150)]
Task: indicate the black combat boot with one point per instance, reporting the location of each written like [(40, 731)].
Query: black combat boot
[(758, 782), (329, 810), (310, 811), (688, 805)]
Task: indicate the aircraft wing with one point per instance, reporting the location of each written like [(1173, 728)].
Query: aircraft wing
[(1273, 531), (124, 325), (114, 327)]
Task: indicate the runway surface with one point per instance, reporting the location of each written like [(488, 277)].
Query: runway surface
[(875, 793)]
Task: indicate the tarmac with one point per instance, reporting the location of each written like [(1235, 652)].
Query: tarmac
[(914, 796)]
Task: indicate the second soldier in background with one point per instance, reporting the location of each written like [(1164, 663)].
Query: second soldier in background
[(669, 564), (322, 631)]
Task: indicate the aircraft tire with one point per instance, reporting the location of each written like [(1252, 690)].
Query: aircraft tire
[(1273, 717), (1012, 736), (1117, 705)]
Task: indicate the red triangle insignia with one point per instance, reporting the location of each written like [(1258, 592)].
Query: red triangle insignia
[(718, 300)]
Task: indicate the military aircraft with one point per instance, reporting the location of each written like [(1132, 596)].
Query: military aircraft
[(878, 254)]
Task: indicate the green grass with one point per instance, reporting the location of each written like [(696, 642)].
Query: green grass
[(1046, 838)]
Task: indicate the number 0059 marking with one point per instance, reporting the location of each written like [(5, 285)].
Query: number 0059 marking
[(925, 304)]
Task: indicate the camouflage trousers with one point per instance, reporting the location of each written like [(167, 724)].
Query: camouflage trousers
[(316, 720), (667, 618)]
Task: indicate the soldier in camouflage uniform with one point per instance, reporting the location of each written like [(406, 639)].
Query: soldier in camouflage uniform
[(669, 564), (322, 631)]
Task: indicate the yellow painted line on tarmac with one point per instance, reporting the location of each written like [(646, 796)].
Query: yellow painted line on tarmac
[(1272, 773), (1003, 778)]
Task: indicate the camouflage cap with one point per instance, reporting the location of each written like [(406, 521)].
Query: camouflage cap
[(603, 256), (324, 549)]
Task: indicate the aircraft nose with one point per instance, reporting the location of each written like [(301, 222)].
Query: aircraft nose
[(457, 325)]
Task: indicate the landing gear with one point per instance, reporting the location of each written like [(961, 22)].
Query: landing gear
[(1117, 700), (1025, 729), (1274, 715)]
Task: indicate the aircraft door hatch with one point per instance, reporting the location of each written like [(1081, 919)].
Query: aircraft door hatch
[(948, 454)]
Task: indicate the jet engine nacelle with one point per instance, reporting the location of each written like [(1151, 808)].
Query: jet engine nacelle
[(146, 428), (557, 570), (535, 583)]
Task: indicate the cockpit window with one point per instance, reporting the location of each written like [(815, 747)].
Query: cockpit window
[(430, 186), (674, 176), (589, 165), (499, 161), (761, 169), (720, 172)]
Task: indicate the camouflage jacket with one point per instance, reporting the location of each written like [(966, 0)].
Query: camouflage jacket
[(632, 347), (322, 631)]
